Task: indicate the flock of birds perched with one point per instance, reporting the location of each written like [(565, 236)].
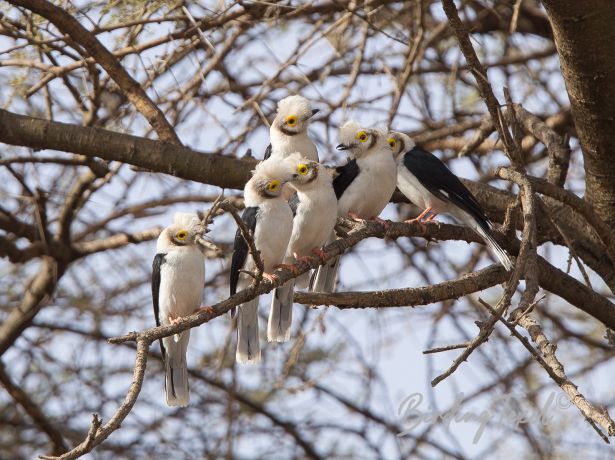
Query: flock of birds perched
[(291, 206)]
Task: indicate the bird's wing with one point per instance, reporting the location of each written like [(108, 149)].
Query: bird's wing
[(240, 247), (268, 151), (439, 180), (346, 174), (294, 203), (159, 261)]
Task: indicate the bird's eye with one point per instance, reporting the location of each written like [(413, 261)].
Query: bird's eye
[(273, 186), (181, 235), (392, 142), (302, 169), (362, 136), (291, 120)]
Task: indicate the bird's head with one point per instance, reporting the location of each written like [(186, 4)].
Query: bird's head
[(294, 114), (269, 176), (305, 171), (184, 231), (400, 143), (361, 141)]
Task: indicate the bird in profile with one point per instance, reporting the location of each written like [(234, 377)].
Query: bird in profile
[(314, 208), (429, 184), (289, 131), (269, 219), (363, 186), (178, 277)]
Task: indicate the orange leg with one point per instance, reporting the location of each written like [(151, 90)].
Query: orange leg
[(291, 267), (420, 217), (206, 309), (303, 259), (270, 277), (320, 253), (354, 216)]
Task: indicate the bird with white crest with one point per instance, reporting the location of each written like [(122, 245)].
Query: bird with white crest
[(315, 209), (428, 183), (269, 219), (178, 278), (289, 131), (363, 186)]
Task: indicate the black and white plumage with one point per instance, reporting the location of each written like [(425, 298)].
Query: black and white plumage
[(289, 131), (178, 277), (363, 186), (315, 213), (429, 184), (270, 220)]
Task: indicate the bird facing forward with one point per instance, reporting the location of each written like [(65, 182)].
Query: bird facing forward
[(270, 221), (315, 212), (363, 187), (178, 278), (289, 131)]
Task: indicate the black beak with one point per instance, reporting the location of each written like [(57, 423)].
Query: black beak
[(342, 147), (314, 112)]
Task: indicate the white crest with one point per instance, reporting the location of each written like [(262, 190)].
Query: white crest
[(187, 220), (406, 143), (348, 132), (274, 168), (295, 105)]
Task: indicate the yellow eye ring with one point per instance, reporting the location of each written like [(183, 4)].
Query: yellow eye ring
[(302, 169), (392, 142), (362, 136), (291, 120), (273, 185), (181, 235)]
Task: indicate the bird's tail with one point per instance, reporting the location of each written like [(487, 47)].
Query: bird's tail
[(303, 281), (248, 347), (323, 279), (496, 249), (176, 370), (281, 313)]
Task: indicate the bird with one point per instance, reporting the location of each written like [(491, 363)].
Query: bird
[(288, 132), (363, 186), (269, 219), (314, 208), (428, 183), (178, 279)]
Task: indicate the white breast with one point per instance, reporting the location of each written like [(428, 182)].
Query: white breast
[(418, 195), (314, 221), (182, 279), (274, 224), (372, 189), (283, 145)]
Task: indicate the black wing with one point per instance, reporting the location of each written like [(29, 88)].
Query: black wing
[(240, 247), (439, 180), (294, 203), (346, 174), (268, 152), (159, 261)]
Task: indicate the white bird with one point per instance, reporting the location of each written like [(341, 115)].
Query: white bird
[(270, 220), (315, 209), (363, 186), (288, 132), (431, 186), (178, 278)]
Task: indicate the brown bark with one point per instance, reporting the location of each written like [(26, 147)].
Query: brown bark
[(584, 35)]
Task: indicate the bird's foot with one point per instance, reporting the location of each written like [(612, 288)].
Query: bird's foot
[(355, 217), (321, 254), (174, 320), (385, 223), (293, 268), (303, 259), (270, 277), (416, 220), (206, 309)]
